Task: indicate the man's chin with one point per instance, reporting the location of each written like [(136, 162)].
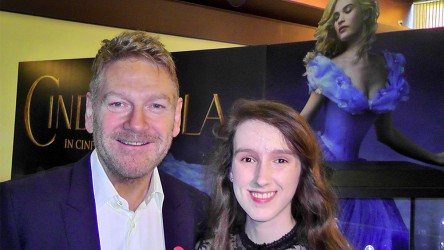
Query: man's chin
[(128, 175)]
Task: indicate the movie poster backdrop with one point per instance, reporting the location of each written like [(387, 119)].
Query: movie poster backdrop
[(50, 130), (421, 118), (50, 115), (49, 123)]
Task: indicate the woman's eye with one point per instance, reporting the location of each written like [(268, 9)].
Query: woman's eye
[(348, 8), (247, 159), (281, 161)]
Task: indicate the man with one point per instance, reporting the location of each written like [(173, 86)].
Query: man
[(116, 192)]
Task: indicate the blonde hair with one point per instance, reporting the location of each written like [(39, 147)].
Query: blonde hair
[(327, 41), (131, 44)]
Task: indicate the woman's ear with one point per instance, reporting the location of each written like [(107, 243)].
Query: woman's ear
[(230, 176)]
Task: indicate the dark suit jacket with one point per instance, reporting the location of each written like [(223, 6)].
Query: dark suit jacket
[(55, 209)]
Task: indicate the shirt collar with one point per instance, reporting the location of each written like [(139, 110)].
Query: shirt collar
[(155, 191), (105, 191), (103, 188)]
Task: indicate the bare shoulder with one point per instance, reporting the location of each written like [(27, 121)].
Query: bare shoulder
[(339, 60)]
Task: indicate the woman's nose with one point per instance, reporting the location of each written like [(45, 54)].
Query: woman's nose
[(263, 174), (340, 19)]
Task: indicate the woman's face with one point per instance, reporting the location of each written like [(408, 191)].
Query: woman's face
[(265, 173), (348, 20)]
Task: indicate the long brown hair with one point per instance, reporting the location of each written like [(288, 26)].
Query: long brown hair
[(314, 204)]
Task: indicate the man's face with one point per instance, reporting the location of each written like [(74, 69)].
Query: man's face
[(134, 119)]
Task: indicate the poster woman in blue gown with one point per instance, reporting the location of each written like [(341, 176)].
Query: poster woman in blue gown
[(359, 89)]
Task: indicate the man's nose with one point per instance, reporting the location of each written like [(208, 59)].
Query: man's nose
[(137, 119)]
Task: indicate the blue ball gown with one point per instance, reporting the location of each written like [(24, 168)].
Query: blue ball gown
[(349, 114)]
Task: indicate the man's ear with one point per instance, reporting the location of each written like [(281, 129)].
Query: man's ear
[(89, 117), (177, 117)]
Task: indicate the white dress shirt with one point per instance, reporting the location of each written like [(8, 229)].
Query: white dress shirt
[(120, 228)]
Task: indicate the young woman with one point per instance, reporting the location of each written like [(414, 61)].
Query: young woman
[(358, 89), (269, 190)]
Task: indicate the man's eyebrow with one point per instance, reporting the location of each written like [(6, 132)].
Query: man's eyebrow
[(150, 97), (112, 93), (160, 97)]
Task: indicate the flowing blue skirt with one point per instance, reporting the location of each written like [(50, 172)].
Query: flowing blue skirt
[(373, 222)]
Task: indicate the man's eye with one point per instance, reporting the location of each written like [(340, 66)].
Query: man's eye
[(117, 107), (116, 104), (157, 106)]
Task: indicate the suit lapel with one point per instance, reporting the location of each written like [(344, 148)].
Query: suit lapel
[(174, 222), (79, 211)]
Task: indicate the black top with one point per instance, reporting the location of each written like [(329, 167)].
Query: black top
[(292, 240)]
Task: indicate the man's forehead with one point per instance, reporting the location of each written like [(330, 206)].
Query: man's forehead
[(127, 62)]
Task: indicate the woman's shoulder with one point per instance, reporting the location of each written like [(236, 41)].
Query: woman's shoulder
[(389, 58), (319, 59), (391, 54), (204, 244), (397, 88), (326, 78), (236, 244), (395, 63), (207, 244), (322, 70)]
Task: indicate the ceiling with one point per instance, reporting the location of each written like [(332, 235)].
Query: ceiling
[(249, 22), (306, 12), (289, 11)]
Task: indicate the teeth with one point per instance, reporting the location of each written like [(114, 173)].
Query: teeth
[(263, 195), (133, 143)]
